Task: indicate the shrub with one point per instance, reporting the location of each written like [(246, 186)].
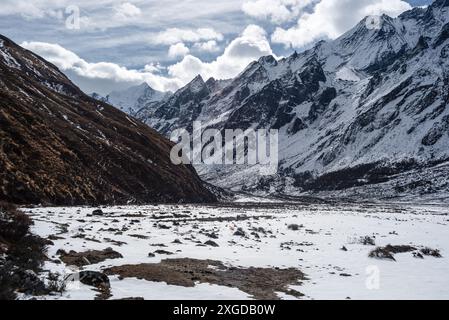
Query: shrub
[(21, 254)]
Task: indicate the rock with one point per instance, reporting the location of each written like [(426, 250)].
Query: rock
[(211, 243), (344, 249), (367, 241), (151, 255), (240, 233), (431, 252), (93, 279), (418, 255), (163, 252), (294, 227), (98, 212)]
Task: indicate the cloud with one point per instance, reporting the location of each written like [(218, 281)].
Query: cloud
[(112, 74), (277, 11), (331, 18), (154, 68), (249, 46), (176, 35), (104, 77), (209, 46), (178, 50), (127, 10)]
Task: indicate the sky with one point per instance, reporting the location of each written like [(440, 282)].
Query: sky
[(107, 45)]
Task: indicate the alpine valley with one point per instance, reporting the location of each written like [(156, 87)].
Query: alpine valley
[(358, 208), (365, 115)]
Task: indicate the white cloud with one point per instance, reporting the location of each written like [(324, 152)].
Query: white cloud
[(178, 50), (176, 35), (249, 46), (127, 10), (331, 18), (112, 73), (154, 68), (209, 46), (103, 76), (278, 11)]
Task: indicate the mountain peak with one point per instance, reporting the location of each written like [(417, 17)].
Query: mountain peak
[(134, 98), (268, 61), (197, 84), (145, 85), (198, 79)]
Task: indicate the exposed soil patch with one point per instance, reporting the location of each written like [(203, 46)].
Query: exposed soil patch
[(81, 259), (260, 283)]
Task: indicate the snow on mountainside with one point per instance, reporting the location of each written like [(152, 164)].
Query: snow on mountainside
[(352, 113), (132, 99)]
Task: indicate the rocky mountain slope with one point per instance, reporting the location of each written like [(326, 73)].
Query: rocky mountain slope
[(352, 113), (59, 146)]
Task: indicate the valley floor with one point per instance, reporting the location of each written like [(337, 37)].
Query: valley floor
[(245, 251)]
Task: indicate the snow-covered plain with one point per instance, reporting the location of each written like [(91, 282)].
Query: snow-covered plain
[(315, 248)]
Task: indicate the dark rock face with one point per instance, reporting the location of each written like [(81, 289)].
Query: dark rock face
[(59, 146)]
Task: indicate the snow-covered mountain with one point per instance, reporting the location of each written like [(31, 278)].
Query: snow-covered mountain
[(352, 113), (132, 99)]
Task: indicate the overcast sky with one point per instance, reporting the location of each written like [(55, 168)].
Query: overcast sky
[(104, 45)]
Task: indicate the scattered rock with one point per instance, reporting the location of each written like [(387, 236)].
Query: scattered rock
[(418, 255), (367, 241), (93, 279), (139, 236), (295, 227), (163, 252), (98, 212), (431, 252), (55, 237), (211, 243), (240, 233)]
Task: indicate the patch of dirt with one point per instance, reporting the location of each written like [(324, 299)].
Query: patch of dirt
[(81, 259), (260, 283)]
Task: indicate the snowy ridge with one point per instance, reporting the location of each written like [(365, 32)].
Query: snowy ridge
[(351, 112), (134, 98)]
